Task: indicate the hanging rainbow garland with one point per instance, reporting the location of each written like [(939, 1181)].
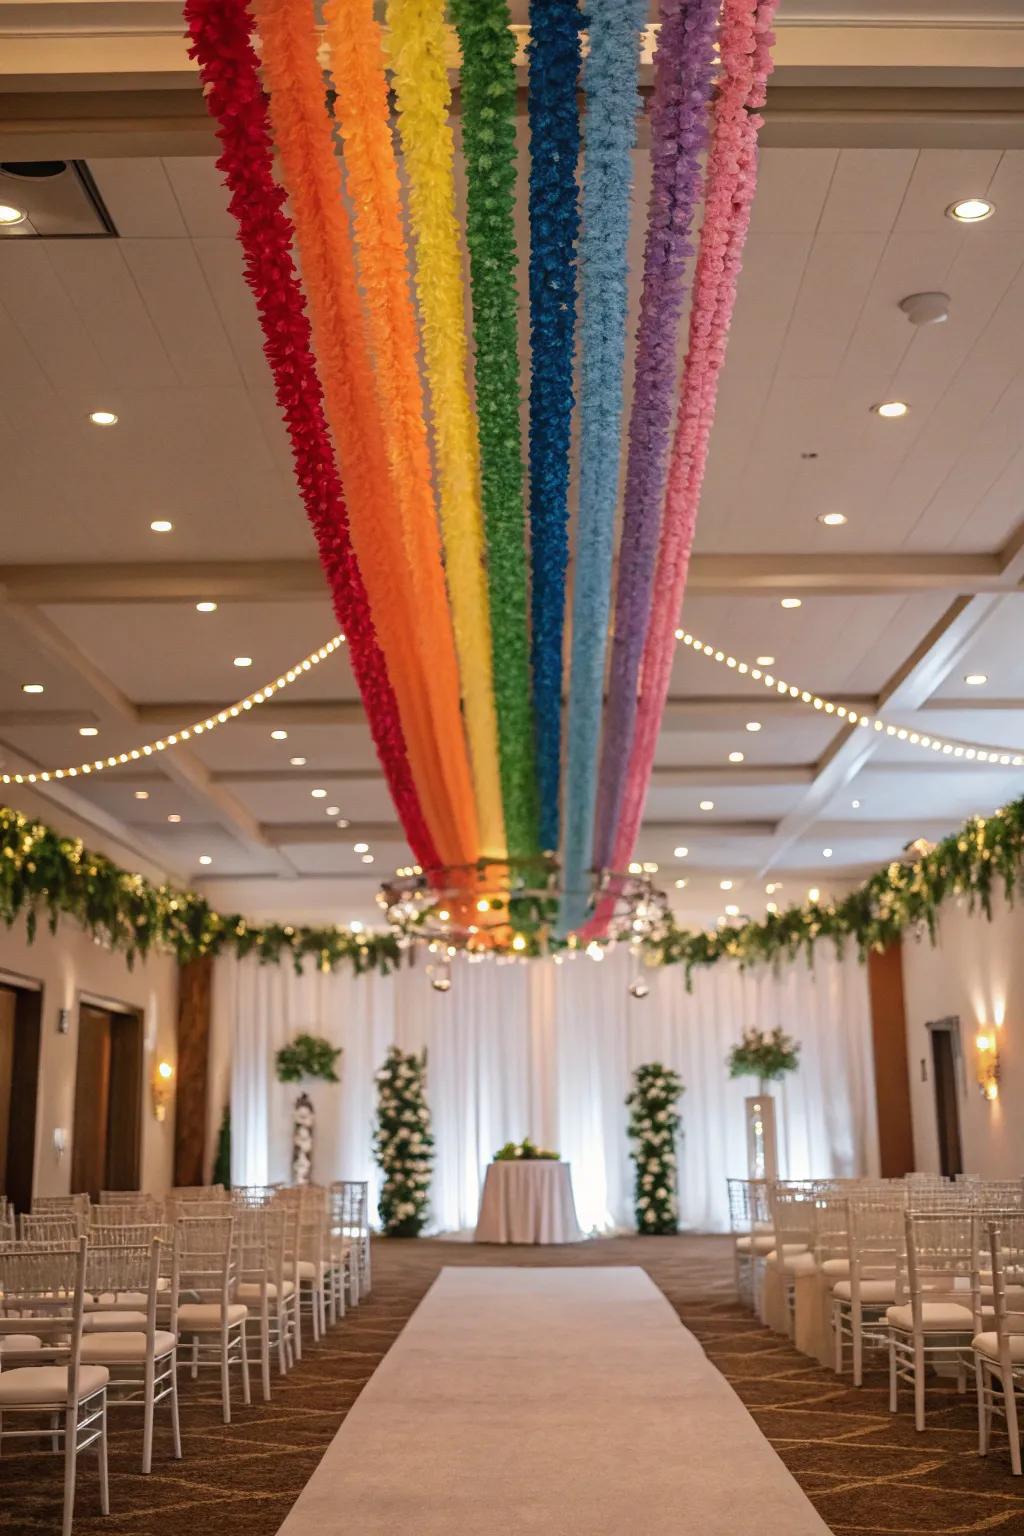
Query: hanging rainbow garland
[(448, 563)]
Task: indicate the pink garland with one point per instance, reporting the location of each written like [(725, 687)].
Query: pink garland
[(745, 41)]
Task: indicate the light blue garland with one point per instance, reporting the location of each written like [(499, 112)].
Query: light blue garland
[(612, 104), (554, 55)]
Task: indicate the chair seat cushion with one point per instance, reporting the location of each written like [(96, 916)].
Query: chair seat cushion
[(113, 1322), (124, 1348), (795, 1261), (761, 1242), (250, 1290), (307, 1269), (936, 1316), (988, 1344), (206, 1316), (870, 1290), (839, 1269), (41, 1385), (20, 1344)]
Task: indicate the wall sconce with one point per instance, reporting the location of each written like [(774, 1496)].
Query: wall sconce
[(986, 1049), (163, 1090)]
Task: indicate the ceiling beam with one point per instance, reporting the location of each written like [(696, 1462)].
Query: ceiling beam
[(182, 765), (262, 581)]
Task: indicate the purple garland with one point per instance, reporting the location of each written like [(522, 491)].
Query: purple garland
[(683, 70)]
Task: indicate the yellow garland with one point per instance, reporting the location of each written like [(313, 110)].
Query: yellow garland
[(420, 80)]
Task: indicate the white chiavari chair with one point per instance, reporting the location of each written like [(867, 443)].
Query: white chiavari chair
[(253, 1194), (313, 1267), (750, 1224), (43, 1293), (350, 1239), (938, 1305), (263, 1285), (198, 1192), (999, 1350), (138, 1210), (142, 1362), (861, 1299), (39, 1229), (793, 1207), (213, 1322)]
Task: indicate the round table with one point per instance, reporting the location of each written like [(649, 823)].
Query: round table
[(528, 1202)]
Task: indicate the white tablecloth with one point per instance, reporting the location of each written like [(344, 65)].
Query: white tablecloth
[(528, 1202)]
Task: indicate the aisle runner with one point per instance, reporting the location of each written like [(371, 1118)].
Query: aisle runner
[(562, 1402)]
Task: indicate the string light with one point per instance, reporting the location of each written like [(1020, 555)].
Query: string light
[(185, 733), (969, 751)]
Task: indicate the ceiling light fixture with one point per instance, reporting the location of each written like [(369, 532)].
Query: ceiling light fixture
[(707, 805), (174, 819), (826, 853), (753, 726), (279, 735), (971, 210), (319, 794), (771, 906), (161, 525), (855, 805), (88, 730), (791, 602), (735, 757), (680, 852), (813, 894), (680, 885), (32, 688), (725, 885), (333, 810), (206, 607), (342, 823), (891, 410), (204, 858), (360, 847), (242, 661), (103, 418), (142, 794), (297, 762), (766, 661), (976, 679), (832, 519), (732, 911), (367, 858), (9, 215)]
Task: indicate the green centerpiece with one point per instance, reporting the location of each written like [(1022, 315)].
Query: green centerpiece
[(525, 1151)]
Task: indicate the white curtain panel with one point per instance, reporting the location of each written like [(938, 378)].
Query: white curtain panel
[(546, 1051)]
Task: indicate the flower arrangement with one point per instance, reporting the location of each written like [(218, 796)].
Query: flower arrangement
[(403, 1143), (654, 1123), (307, 1056), (525, 1151), (764, 1055)]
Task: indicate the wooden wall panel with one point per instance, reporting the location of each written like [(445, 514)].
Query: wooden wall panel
[(195, 988), (892, 1076)]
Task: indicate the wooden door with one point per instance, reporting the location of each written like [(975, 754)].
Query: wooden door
[(92, 1102), (947, 1108)]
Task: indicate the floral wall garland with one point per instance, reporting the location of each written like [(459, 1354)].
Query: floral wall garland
[(403, 1143), (42, 871), (654, 1123)]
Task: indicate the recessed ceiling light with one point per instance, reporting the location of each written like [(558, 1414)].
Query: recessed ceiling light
[(732, 911), (242, 661), (319, 794), (855, 804), (680, 852), (334, 810), (707, 805), (826, 853), (976, 679), (9, 215), (31, 687), (204, 858), (766, 661), (88, 730), (142, 794), (367, 858), (813, 894), (753, 725), (174, 818), (342, 823), (355, 926), (297, 762), (971, 210), (771, 906), (206, 607), (161, 525), (891, 409), (832, 519), (735, 757), (680, 885), (360, 847), (791, 602), (279, 736), (103, 418), (725, 885)]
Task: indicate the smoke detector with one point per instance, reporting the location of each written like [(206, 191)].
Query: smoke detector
[(926, 308)]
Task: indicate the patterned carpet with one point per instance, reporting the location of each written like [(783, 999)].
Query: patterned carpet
[(868, 1473)]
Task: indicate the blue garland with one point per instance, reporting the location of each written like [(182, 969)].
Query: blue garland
[(613, 101), (554, 59)]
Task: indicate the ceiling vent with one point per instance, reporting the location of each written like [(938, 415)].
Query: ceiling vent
[(51, 200)]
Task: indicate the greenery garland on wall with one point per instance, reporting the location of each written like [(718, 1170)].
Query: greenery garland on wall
[(403, 1143), (654, 1123), (41, 871)]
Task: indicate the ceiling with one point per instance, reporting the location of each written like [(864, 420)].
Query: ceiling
[(918, 589)]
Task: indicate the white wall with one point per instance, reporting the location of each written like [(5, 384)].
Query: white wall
[(69, 964), (975, 971)]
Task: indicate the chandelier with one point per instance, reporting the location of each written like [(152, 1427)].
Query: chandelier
[(508, 910)]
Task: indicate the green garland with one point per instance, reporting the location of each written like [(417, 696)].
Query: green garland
[(403, 1144), (307, 1056), (525, 1151), (487, 83), (654, 1125), (42, 871), (764, 1055)]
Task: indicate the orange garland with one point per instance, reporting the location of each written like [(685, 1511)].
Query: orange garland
[(305, 144), (356, 52)]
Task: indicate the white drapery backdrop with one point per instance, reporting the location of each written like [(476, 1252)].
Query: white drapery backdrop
[(546, 1051)]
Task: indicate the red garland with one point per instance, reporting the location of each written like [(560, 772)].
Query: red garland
[(221, 32)]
